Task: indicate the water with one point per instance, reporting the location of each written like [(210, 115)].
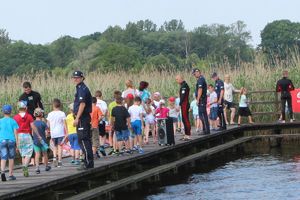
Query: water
[(272, 176)]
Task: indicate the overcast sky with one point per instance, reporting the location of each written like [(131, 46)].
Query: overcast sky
[(42, 21)]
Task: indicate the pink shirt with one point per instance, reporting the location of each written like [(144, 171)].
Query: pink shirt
[(162, 113)]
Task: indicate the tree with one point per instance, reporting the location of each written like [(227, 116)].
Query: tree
[(4, 38)]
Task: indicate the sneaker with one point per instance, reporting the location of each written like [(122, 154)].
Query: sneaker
[(3, 177), (134, 148), (291, 120), (102, 151), (59, 164), (37, 171), (77, 162), (47, 168), (12, 178), (111, 152), (25, 171), (55, 164), (128, 151), (141, 151), (72, 162)]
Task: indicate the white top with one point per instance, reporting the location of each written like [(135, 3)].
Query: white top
[(213, 97), (135, 112), (102, 105), (130, 91), (243, 101), (156, 103), (173, 112), (228, 91), (57, 120)]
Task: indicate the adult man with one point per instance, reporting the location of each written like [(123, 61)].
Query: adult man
[(185, 105), (32, 98), (284, 86), (219, 88), (201, 97), (82, 110)]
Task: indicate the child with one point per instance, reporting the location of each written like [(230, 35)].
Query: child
[(149, 121), (156, 99), (213, 102), (96, 117), (39, 140), (24, 139), (8, 135), (56, 120), (244, 110), (162, 112), (180, 123), (173, 112), (195, 110), (136, 116), (129, 100), (120, 123), (73, 137)]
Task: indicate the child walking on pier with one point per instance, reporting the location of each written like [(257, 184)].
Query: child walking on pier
[(244, 110)]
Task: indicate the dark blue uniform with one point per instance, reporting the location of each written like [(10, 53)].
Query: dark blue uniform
[(83, 95), (219, 86), (201, 83)]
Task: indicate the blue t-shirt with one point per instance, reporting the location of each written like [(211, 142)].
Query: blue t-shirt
[(194, 107), (41, 127), (7, 127)]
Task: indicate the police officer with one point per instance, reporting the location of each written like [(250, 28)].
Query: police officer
[(82, 110), (201, 97), (284, 86), (219, 88), (184, 93)]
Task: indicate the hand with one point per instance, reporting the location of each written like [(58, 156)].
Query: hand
[(75, 123), (220, 102)]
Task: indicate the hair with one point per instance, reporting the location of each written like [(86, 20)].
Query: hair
[(26, 84), (143, 85), (119, 100), (98, 93), (129, 84), (210, 85), (137, 99), (242, 90), (117, 94), (94, 100), (56, 103), (129, 102)]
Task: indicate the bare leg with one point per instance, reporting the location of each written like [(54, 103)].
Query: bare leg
[(232, 115), (45, 156), (3, 164), (225, 115), (239, 119), (37, 159), (250, 119), (59, 152), (11, 164)]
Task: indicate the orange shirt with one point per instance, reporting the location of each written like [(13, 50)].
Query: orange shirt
[(95, 115)]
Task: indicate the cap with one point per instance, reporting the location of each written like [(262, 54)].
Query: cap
[(71, 106), (77, 74), (214, 75), (195, 70), (38, 112), (156, 94), (172, 99), (130, 96), (6, 109), (162, 101), (22, 104)]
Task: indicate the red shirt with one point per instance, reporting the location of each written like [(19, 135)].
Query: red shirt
[(24, 123), (162, 113)]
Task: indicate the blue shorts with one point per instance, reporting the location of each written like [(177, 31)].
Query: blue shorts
[(137, 127), (73, 139), (122, 135), (57, 141), (213, 115), (8, 149)]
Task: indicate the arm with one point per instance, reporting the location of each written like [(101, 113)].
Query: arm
[(200, 91), (79, 113), (128, 122), (34, 129), (292, 86), (16, 136), (278, 88), (221, 96)]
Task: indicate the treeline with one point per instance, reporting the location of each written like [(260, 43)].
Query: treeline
[(137, 46)]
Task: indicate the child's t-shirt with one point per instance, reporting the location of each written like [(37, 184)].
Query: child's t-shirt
[(7, 128), (213, 97), (70, 120), (243, 101), (41, 128), (95, 115), (173, 112), (102, 105), (56, 120), (24, 120), (135, 112), (194, 107), (120, 113), (162, 113)]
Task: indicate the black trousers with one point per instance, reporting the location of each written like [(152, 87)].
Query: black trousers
[(84, 140), (204, 118), (221, 117), (289, 105)]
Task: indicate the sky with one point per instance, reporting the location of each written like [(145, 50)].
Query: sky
[(43, 21)]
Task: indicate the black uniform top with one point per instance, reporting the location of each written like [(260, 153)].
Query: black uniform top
[(201, 83), (184, 92), (83, 94), (219, 86), (33, 100), (284, 86)]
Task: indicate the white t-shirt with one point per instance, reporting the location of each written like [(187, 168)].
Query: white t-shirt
[(57, 120), (156, 103), (130, 91), (243, 101), (173, 112), (228, 91), (213, 97), (102, 105), (135, 112)]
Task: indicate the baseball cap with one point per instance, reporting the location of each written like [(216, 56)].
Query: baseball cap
[(77, 74), (6, 109), (22, 104), (130, 96), (195, 70), (38, 112), (162, 101), (172, 99), (214, 75)]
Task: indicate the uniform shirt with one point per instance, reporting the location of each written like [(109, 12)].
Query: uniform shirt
[(120, 114), (24, 120), (201, 83), (33, 100), (219, 86), (7, 129), (284, 86), (83, 95), (228, 92), (41, 128), (70, 120), (184, 93)]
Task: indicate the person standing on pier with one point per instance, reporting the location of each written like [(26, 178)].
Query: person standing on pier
[(219, 88), (82, 110), (285, 86), (201, 97), (185, 105)]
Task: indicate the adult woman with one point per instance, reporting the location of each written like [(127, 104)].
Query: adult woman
[(129, 89), (228, 99)]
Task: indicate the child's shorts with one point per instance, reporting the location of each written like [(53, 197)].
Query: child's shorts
[(25, 144), (213, 114), (244, 112), (137, 127), (57, 141), (73, 139), (41, 147), (122, 135), (95, 137), (8, 149), (150, 119), (196, 116), (175, 119), (102, 131)]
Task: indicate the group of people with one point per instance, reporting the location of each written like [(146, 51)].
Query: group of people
[(124, 124)]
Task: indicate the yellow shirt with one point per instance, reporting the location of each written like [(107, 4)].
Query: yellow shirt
[(70, 127), (110, 107)]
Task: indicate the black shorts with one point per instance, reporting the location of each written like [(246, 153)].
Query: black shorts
[(244, 112), (228, 105), (101, 127)]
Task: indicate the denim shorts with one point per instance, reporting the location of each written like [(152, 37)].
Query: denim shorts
[(137, 127), (73, 139), (57, 141), (122, 135), (213, 115), (8, 149)]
